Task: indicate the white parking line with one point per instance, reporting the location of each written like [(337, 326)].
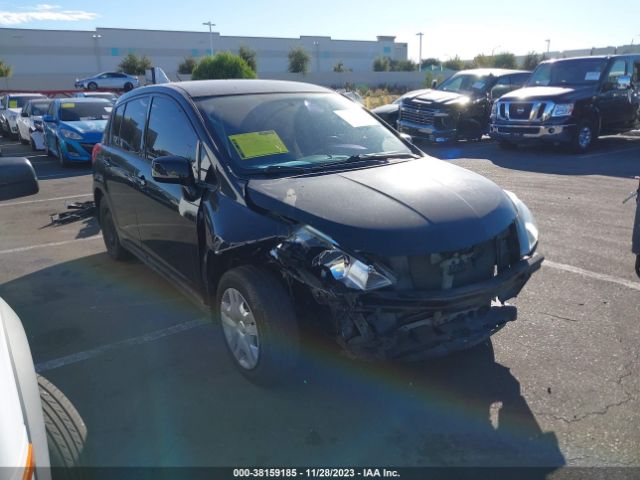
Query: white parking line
[(595, 275), (44, 200), (130, 342), (45, 245)]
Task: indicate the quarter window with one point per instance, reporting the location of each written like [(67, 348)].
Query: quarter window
[(116, 122), (170, 132), (132, 124)]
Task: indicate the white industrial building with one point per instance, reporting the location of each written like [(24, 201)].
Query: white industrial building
[(52, 59)]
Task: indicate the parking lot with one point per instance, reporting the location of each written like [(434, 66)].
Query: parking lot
[(148, 373)]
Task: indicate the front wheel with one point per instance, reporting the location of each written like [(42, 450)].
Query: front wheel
[(638, 265), (110, 235), (92, 86), (585, 136), (258, 323)]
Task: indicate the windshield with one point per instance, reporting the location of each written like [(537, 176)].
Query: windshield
[(40, 108), (296, 129), (21, 101), (76, 112), (573, 72), (465, 83)]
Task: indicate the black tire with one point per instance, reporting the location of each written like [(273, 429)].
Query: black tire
[(128, 86), (276, 323), (506, 145), (110, 235), (583, 141), (66, 431), (92, 86), (63, 161), (638, 265)]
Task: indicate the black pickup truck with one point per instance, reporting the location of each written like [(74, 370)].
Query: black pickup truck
[(459, 107), (571, 101)]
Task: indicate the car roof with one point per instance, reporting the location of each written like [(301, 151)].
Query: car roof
[(81, 100), (208, 88), (41, 100), (24, 94), (590, 57), (496, 72)]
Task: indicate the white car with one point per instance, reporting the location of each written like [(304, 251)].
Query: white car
[(30, 130), (39, 427), (11, 106), (115, 80)]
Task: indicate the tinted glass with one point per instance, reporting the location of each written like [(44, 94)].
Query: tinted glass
[(116, 122), (465, 83), (71, 111), (132, 125), (582, 71), (296, 129), (170, 132), (16, 101), (618, 69)]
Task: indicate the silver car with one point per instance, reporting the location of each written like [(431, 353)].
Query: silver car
[(111, 80)]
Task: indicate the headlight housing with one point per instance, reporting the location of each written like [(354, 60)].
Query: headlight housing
[(562, 110), (527, 227), (352, 272), (70, 134)]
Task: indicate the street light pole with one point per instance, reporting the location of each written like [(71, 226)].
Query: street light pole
[(210, 34), (96, 37), (548, 40), (420, 34), (317, 45), (494, 49)]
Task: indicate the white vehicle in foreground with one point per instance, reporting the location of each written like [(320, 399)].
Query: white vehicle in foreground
[(39, 427), (30, 128), (11, 105)]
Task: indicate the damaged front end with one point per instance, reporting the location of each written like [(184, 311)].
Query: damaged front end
[(413, 307)]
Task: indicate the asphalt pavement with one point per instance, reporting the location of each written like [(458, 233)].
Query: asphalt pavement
[(148, 373)]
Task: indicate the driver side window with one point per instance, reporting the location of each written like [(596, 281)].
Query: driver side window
[(618, 69)]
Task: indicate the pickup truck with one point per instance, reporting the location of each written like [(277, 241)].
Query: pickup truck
[(571, 101)]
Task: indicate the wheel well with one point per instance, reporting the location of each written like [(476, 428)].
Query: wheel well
[(97, 198)]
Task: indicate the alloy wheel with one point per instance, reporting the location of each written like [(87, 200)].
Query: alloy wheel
[(240, 328)]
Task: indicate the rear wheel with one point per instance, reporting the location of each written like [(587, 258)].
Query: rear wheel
[(110, 235), (585, 136), (92, 86), (258, 324), (638, 265), (128, 86)]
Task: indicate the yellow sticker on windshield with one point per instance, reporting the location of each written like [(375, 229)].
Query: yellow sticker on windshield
[(68, 105), (258, 144), (13, 103)]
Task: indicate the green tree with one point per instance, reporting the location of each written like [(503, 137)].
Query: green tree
[(454, 63), (339, 67), (299, 60), (403, 66), (132, 64), (430, 62), (249, 56), (5, 69), (382, 64), (222, 65), (482, 61), (505, 60), (531, 61), (186, 67)]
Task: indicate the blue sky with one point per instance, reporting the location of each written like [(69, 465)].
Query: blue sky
[(462, 27)]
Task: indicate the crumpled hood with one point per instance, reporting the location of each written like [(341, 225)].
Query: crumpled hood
[(406, 208), (439, 97), (86, 126), (556, 94)]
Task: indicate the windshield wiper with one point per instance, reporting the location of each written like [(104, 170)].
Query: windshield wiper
[(282, 169), (367, 156)]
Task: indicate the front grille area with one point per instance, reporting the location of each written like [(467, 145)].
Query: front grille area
[(520, 111), (447, 270), (520, 130), (524, 111), (417, 113)]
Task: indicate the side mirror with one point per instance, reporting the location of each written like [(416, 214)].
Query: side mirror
[(48, 118), (434, 83), (17, 178), (172, 170), (24, 114), (623, 82), (406, 137)]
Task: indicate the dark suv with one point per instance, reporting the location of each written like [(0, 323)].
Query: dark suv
[(281, 203), (571, 101), (459, 108)]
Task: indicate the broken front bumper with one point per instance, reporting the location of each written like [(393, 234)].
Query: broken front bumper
[(413, 325)]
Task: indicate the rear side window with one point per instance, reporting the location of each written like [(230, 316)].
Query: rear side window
[(170, 132), (618, 69), (132, 124), (116, 122)]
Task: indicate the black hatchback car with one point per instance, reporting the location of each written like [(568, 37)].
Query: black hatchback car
[(279, 204)]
